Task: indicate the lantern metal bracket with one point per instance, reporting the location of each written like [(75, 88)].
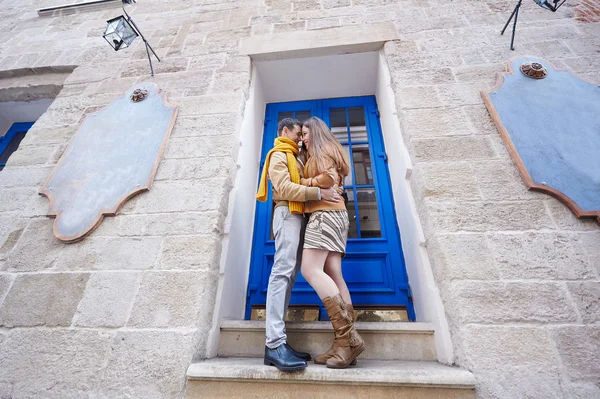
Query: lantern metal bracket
[(542, 3), (148, 46)]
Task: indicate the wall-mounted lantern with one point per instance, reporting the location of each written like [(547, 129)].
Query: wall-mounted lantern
[(122, 31), (551, 5)]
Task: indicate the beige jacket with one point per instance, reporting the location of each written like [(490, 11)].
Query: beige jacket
[(324, 179), (283, 188)]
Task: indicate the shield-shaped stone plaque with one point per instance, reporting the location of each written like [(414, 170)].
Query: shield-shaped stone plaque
[(549, 120), (112, 157)]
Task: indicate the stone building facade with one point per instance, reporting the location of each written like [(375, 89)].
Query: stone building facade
[(509, 279)]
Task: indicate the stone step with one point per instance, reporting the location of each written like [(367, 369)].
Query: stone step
[(385, 340), (372, 379)]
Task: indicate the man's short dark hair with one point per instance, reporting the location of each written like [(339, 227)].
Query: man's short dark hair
[(290, 123)]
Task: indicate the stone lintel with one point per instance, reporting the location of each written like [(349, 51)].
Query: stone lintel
[(314, 43)]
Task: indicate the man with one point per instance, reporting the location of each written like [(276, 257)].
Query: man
[(285, 170)]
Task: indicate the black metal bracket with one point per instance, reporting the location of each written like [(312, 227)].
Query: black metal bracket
[(148, 47)]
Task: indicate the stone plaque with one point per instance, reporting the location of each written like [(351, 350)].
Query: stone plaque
[(112, 157), (549, 120)]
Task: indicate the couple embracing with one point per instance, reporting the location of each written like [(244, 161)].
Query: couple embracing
[(310, 225)]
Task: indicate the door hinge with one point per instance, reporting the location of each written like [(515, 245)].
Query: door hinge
[(267, 120), (406, 288), (376, 112), (251, 288), (383, 155)]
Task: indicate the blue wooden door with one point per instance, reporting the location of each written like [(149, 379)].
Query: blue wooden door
[(374, 266), (10, 141)]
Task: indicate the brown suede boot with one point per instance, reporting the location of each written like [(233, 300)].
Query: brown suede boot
[(349, 343), (322, 359)]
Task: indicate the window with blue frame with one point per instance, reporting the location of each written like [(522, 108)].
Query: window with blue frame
[(9, 143)]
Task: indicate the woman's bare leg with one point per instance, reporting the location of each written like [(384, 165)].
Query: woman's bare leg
[(333, 268), (313, 263)]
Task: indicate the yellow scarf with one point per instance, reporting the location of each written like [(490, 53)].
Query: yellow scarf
[(290, 148)]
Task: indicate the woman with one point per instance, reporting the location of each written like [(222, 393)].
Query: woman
[(325, 242)]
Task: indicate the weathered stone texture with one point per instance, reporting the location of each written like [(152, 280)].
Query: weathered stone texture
[(174, 299), (43, 299), (107, 300), (53, 363), (517, 272), (509, 302), (578, 348), (161, 374)]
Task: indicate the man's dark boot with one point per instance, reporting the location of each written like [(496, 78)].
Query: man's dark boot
[(282, 358), (301, 355)]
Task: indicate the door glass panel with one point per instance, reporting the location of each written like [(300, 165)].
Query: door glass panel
[(302, 116), (368, 213), (283, 115), (363, 170), (338, 126), (358, 129), (353, 231), (347, 179)]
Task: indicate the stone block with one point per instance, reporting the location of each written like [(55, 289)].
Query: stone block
[(323, 23), (486, 74), (36, 250), (590, 244), (453, 149), (200, 147), (11, 229), (416, 77), (162, 224), (229, 35), (565, 219), (193, 168), (43, 299), (195, 106), (510, 302), (306, 5), (174, 299), (500, 180), (24, 177), (5, 283), (578, 350), (205, 125), (585, 391), (487, 216), (508, 349), (480, 119), (191, 252), (463, 257), (107, 300), (520, 384), (289, 26), (335, 3), (455, 94), (237, 64), (207, 61), (166, 66), (33, 155), (44, 135), (432, 122), (543, 256), (114, 253), (54, 363), (230, 82), (262, 30), (184, 196), (587, 298), (451, 181), (162, 373), (417, 97)]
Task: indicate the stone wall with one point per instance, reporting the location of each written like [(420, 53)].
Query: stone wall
[(125, 311)]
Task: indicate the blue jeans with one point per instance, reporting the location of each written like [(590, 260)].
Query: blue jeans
[(289, 236)]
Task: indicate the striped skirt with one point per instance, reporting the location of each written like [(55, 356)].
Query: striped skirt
[(327, 230)]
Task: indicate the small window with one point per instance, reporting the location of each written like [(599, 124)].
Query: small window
[(11, 140)]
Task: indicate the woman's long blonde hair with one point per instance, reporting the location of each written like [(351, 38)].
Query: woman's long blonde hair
[(324, 144)]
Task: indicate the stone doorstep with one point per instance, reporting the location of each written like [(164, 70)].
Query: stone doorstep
[(375, 373), (385, 340), (325, 326)]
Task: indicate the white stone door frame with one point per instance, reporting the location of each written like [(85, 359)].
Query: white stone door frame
[(329, 77)]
